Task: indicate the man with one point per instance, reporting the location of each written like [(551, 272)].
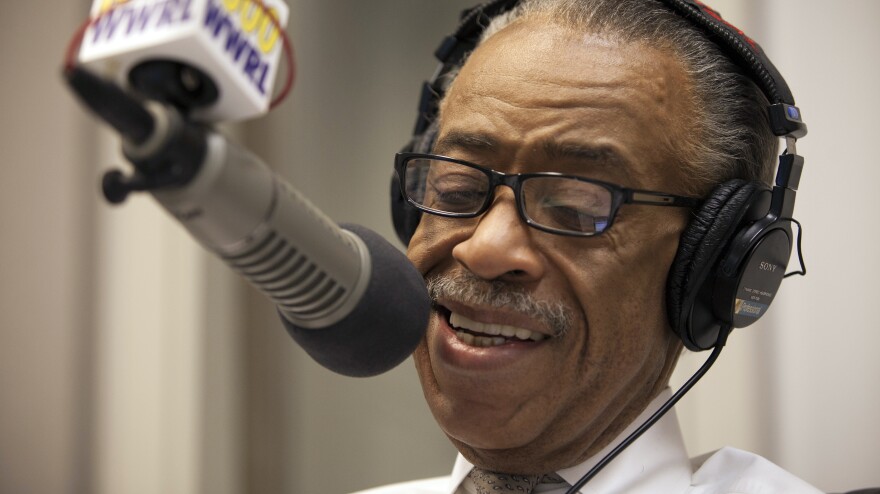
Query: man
[(549, 340)]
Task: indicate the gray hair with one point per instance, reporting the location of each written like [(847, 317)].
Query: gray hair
[(733, 137)]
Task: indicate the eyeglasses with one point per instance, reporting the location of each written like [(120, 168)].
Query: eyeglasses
[(552, 202)]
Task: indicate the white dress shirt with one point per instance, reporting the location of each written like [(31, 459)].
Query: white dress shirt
[(655, 463)]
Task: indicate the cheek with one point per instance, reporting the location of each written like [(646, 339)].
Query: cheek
[(422, 361), (422, 249), (434, 240), (628, 336), (622, 287)]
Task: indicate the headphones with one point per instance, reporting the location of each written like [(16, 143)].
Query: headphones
[(733, 254)]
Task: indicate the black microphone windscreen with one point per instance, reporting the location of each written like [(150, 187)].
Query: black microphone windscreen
[(385, 326)]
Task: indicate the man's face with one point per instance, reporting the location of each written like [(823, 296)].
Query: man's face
[(536, 97)]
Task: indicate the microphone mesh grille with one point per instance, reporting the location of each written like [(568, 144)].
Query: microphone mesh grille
[(294, 283)]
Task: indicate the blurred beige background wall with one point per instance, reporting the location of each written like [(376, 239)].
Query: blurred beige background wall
[(131, 362), (48, 226)]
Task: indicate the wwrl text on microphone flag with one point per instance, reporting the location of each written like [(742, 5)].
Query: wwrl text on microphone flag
[(234, 41)]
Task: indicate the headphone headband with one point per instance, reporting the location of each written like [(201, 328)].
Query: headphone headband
[(785, 117)]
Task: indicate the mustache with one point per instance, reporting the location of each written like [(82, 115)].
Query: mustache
[(467, 288)]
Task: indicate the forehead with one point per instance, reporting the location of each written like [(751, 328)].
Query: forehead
[(538, 93)]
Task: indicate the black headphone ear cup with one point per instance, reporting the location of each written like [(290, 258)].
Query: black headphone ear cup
[(702, 243), (404, 215)]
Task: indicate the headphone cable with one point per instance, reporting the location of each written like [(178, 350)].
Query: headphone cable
[(716, 351)]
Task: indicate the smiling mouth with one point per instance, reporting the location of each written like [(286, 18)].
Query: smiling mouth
[(479, 334)]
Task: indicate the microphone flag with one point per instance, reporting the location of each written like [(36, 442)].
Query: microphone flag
[(235, 41)]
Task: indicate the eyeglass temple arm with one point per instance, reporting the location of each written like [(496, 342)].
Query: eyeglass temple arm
[(659, 199)]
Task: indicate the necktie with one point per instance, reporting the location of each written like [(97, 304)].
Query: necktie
[(487, 482)]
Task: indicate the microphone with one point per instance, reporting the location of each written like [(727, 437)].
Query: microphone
[(352, 300), (225, 52)]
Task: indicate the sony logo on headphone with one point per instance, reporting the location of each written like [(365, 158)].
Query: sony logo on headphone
[(766, 266)]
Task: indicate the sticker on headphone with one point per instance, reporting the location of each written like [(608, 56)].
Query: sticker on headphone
[(749, 308)]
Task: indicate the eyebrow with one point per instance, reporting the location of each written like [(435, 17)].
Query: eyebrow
[(600, 156), (465, 141)]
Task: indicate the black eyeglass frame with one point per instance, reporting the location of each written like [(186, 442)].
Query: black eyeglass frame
[(619, 195)]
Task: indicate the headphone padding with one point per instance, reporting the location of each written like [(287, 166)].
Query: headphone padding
[(404, 215), (702, 243)]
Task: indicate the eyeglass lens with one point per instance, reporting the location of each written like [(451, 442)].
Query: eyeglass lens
[(446, 186), (561, 204)]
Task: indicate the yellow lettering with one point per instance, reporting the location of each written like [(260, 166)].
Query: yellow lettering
[(268, 36), (252, 17), (251, 13), (110, 4)]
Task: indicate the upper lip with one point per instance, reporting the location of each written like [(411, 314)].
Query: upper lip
[(493, 315)]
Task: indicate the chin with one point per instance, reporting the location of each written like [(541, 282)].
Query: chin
[(514, 460), (485, 440)]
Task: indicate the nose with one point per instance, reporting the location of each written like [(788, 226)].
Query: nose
[(501, 246)]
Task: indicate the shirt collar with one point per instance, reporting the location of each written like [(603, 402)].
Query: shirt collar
[(655, 462)]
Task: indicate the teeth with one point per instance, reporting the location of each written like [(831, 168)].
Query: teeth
[(496, 334), (479, 340)]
